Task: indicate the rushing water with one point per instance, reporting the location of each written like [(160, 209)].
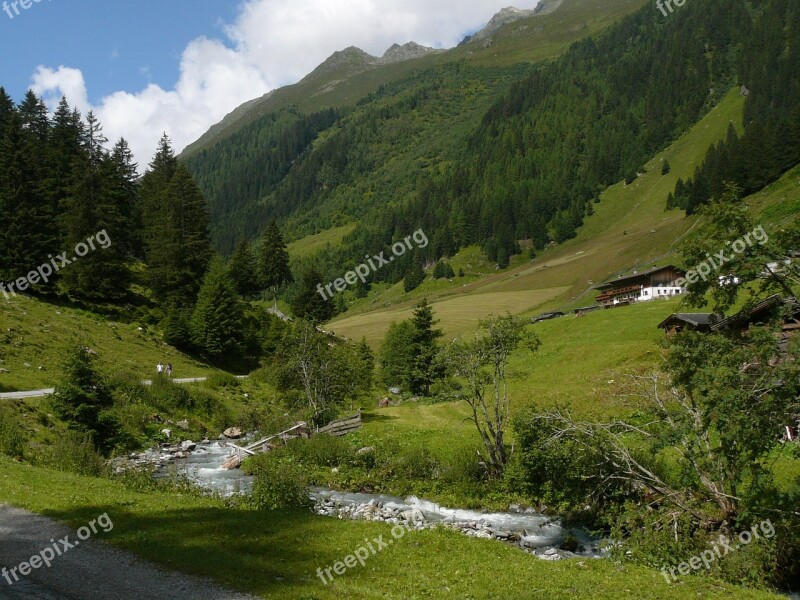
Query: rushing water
[(204, 467)]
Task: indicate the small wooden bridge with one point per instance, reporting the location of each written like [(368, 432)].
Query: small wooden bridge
[(338, 427)]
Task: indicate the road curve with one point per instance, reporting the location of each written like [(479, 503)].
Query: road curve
[(91, 570)]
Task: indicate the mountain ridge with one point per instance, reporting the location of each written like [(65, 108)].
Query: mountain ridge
[(559, 23)]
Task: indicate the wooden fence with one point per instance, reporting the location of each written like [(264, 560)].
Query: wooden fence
[(342, 426)]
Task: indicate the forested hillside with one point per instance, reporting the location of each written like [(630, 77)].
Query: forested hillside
[(770, 145), (491, 156)]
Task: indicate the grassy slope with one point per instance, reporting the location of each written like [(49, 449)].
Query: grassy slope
[(35, 334), (276, 554), (535, 38), (630, 228), (315, 243)]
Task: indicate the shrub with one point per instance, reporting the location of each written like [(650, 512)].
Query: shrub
[(11, 442), (279, 482), (73, 452), (166, 396), (222, 380), (321, 451)]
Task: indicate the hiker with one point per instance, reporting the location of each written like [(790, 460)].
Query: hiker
[(169, 370), (159, 368)]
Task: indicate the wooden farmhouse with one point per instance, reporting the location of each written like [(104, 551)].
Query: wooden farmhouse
[(661, 282)]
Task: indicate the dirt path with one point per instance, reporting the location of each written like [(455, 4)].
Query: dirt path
[(47, 391), (91, 570)]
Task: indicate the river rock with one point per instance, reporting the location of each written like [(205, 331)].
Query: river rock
[(233, 433), (188, 446)]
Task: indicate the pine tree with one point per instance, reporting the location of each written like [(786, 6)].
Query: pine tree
[(94, 205), (28, 220), (243, 271), (308, 304), (414, 277), (273, 260), (216, 324), (82, 397), (425, 349), (176, 224)]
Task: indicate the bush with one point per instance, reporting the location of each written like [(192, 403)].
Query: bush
[(73, 452), (166, 396), (279, 482), (11, 441), (321, 451), (219, 380)]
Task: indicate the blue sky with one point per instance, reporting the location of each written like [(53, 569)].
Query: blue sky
[(147, 67), (117, 44)]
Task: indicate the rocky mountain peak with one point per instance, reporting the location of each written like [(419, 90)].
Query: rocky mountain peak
[(398, 53)]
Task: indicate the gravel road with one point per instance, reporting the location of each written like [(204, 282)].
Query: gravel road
[(89, 571)]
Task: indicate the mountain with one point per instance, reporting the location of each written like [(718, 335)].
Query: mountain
[(350, 74), (504, 155)]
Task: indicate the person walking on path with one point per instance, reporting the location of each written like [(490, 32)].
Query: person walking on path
[(160, 368), (169, 370)]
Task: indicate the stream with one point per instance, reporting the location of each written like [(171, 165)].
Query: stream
[(544, 536)]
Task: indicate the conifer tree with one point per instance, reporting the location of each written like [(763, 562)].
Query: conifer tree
[(308, 304), (94, 206), (424, 342), (176, 236), (243, 271), (216, 324), (273, 260)]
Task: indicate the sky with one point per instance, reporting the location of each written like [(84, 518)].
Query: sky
[(179, 66)]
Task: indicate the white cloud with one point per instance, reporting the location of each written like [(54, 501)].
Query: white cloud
[(271, 43)]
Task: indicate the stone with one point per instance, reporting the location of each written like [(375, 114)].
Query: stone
[(233, 433), (183, 425), (365, 450), (166, 432), (188, 446)]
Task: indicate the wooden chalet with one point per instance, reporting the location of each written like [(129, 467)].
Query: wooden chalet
[(660, 282), (678, 322)]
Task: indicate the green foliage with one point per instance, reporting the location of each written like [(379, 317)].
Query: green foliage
[(177, 330), (770, 144), (308, 303), (279, 483), (273, 260), (218, 380), (414, 277), (82, 398), (397, 354), (663, 539), (216, 323), (243, 270), (479, 372), (559, 473), (320, 451), (72, 452), (424, 348), (443, 270), (176, 236), (316, 371), (11, 440)]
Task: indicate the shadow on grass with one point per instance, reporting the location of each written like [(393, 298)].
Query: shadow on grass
[(372, 417), (264, 552)]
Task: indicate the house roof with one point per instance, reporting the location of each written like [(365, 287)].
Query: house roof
[(633, 276), (754, 312), (694, 319)]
